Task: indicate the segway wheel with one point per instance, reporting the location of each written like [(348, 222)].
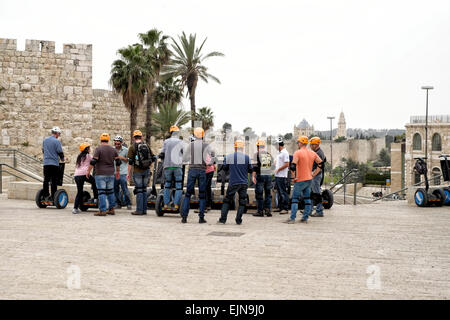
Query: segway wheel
[(447, 196), (38, 199), (327, 199), (159, 205), (439, 194), (421, 197), (84, 198), (61, 199)]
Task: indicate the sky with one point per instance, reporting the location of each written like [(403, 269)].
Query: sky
[(284, 60)]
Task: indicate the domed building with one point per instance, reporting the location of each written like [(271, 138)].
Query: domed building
[(303, 129)]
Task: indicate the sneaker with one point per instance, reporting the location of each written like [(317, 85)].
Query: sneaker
[(258, 214), (201, 220), (137, 213), (129, 207), (267, 212), (75, 211), (101, 213), (283, 211), (317, 215), (221, 222), (183, 219), (176, 206), (303, 221), (111, 212), (289, 221)]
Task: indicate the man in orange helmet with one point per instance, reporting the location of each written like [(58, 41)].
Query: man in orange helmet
[(317, 174), (302, 164), (103, 160)]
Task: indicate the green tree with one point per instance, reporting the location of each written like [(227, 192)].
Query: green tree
[(383, 159), (206, 116), (288, 136), (168, 90), (169, 114), (129, 76), (188, 63), (157, 55)]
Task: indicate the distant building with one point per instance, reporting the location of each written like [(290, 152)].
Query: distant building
[(438, 143), (342, 127), (303, 129)]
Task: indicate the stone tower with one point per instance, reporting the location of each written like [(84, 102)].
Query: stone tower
[(342, 127)]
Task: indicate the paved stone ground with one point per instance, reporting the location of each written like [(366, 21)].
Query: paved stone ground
[(150, 257)]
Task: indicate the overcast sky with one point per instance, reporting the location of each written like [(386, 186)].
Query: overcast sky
[(284, 60)]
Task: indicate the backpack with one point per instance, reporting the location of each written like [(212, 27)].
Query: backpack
[(143, 155)]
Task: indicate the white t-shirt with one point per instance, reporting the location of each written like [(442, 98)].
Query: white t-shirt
[(283, 156)]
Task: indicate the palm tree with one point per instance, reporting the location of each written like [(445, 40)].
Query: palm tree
[(157, 54), (206, 116), (188, 64), (169, 114), (168, 90), (129, 75)]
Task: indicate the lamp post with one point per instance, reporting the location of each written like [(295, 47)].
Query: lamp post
[(426, 122), (331, 140)]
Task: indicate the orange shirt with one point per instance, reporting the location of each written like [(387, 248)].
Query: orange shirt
[(304, 160)]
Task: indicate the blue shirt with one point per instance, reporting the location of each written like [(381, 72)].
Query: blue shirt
[(51, 147), (239, 166)]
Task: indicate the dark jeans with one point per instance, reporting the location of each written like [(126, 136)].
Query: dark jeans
[(140, 186), (241, 189), (194, 175), (281, 183), (263, 192), (50, 174), (209, 177), (80, 180), (122, 183)]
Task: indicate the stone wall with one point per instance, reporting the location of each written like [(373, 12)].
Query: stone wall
[(40, 89)]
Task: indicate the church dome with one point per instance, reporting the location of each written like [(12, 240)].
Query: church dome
[(303, 124)]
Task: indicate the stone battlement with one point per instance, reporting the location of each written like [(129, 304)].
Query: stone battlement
[(45, 46)]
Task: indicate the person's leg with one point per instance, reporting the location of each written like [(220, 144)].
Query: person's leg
[(54, 179), (285, 193), (268, 192), (307, 197), (137, 178), (101, 186), (242, 192), (168, 176), (110, 192), (91, 180), (209, 177), (229, 197), (189, 192), (45, 184), (117, 191), (124, 187), (79, 180), (315, 193), (295, 196), (259, 193), (178, 173), (201, 176), (145, 179)]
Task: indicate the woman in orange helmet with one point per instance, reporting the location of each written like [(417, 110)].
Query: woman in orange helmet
[(81, 168)]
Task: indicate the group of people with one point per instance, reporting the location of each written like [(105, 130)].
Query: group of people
[(115, 166)]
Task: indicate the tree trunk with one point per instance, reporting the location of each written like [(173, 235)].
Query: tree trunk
[(192, 98), (148, 120), (133, 121)]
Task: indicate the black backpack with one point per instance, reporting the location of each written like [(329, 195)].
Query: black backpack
[(144, 156)]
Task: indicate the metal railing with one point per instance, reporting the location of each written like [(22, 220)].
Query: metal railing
[(13, 174), (22, 160), (353, 173)]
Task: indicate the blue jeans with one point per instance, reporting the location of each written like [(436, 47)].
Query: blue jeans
[(170, 176), (315, 188), (281, 184), (263, 186), (194, 175), (122, 183), (140, 185), (301, 189), (105, 186)]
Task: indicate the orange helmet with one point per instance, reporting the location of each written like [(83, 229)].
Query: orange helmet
[(104, 137), (199, 132), (83, 146), (239, 144), (261, 143), (303, 139), (174, 128), (315, 140), (137, 133)]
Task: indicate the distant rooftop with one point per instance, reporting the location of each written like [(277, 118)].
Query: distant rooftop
[(303, 124), (431, 119)]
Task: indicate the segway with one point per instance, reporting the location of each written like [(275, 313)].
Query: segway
[(87, 202), (159, 204), (157, 178), (224, 178), (445, 167), (60, 199), (422, 197)]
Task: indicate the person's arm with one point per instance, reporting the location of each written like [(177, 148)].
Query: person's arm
[(130, 162), (91, 166), (317, 160), (60, 152)]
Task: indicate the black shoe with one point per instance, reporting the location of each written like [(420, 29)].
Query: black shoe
[(317, 215), (221, 222), (258, 214), (267, 212), (304, 221), (201, 220), (183, 219), (238, 221), (138, 213)]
